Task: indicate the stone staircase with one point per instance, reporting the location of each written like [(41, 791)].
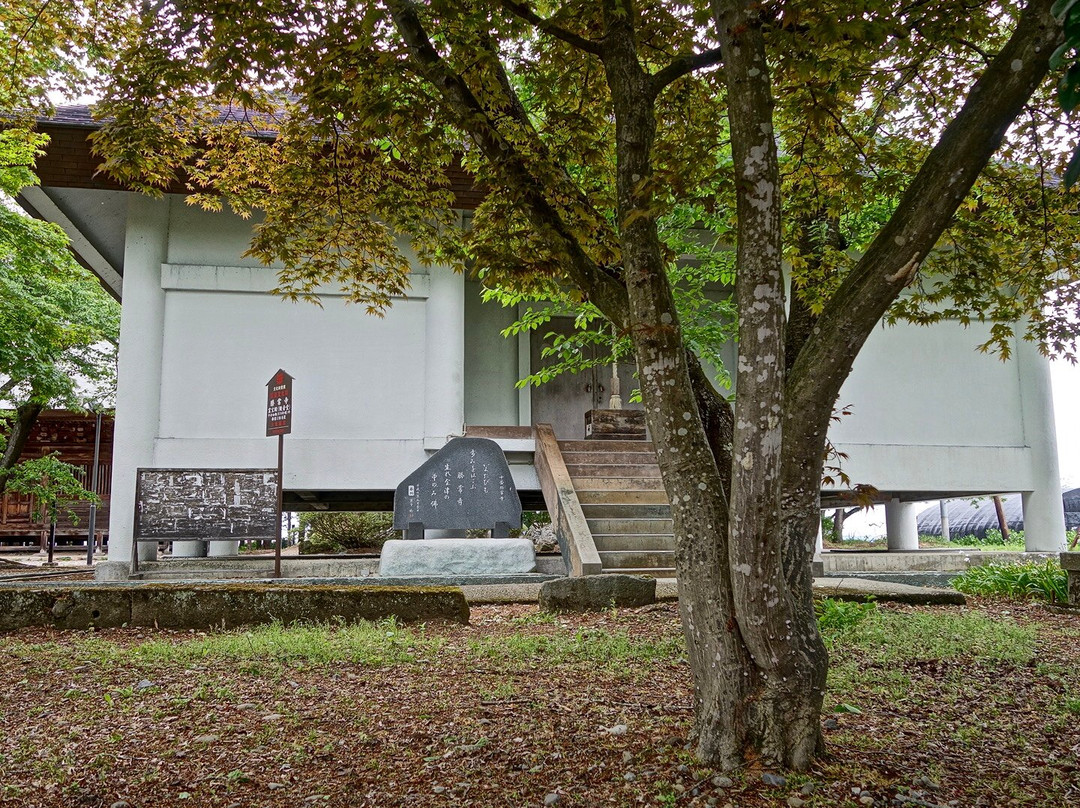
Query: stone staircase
[(624, 503)]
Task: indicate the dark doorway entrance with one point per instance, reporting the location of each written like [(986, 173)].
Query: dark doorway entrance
[(563, 401)]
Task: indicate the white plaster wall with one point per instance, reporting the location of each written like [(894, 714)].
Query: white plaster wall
[(929, 385), (930, 412), (375, 396), (201, 238), (355, 375), (491, 362), (202, 335)]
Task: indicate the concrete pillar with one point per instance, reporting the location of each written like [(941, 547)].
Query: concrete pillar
[(138, 375), (902, 532), (444, 402), (215, 548), (1044, 514)]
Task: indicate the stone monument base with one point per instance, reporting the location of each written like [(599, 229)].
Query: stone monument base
[(402, 558)]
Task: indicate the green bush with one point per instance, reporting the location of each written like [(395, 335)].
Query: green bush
[(530, 518), (1023, 580), (325, 532)]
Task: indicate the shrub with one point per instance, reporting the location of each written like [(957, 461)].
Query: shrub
[(1022, 580), (338, 531), (992, 538)]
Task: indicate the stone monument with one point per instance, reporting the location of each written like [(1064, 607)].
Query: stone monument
[(466, 485)]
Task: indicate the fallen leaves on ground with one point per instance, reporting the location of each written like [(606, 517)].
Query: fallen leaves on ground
[(488, 715)]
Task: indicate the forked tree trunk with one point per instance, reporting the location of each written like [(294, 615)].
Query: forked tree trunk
[(758, 666), (745, 486)]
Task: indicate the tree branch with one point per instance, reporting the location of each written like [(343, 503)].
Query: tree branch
[(682, 65), (524, 12), (601, 284), (927, 207)]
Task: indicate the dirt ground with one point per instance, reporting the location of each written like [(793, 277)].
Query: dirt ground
[(516, 709)]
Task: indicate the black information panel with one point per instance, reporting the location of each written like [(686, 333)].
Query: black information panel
[(206, 504)]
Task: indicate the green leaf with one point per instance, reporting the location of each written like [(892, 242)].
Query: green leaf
[(1072, 28), (1061, 8), (847, 708), (1057, 58), (1069, 89), (1072, 170)]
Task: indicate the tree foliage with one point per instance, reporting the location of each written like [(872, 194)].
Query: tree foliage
[(1067, 56), (842, 150), (53, 484), (48, 50), (57, 325), (58, 328)]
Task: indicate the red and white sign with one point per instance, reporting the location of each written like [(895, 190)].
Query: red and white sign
[(279, 404)]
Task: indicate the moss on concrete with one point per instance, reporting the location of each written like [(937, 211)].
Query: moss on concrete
[(172, 605)]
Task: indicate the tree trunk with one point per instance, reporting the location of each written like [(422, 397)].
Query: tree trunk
[(1003, 523), (758, 677), (25, 417), (774, 609), (744, 485)]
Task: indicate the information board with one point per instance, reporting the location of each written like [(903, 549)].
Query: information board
[(279, 404), (206, 504)]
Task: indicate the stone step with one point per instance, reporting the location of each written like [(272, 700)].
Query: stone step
[(604, 458), (635, 542), (619, 484), (623, 498), (627, 470), (652, 572), (608, 446), (201, 574), (634, 524), (629, 559), (626, 511)]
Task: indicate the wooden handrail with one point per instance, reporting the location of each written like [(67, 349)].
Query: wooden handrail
[(571, 529)]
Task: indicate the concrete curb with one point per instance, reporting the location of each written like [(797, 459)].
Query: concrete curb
[(869, 589), (201, 606)]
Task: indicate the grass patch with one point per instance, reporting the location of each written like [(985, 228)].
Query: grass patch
[(365, 643), (376, 644), (991, 542), (887, 637), (1045, 581), (596, 646), (837, 617), (77, 648)]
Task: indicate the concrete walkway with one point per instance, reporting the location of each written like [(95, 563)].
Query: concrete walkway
[(667, 590)]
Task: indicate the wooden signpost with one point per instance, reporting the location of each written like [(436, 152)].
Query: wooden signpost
[(279, 407)]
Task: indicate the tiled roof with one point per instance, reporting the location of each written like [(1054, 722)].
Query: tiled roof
[(81, 116), (69, 161), (75, 115)]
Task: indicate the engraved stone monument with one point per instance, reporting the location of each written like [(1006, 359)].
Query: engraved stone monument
[(466, 485)]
